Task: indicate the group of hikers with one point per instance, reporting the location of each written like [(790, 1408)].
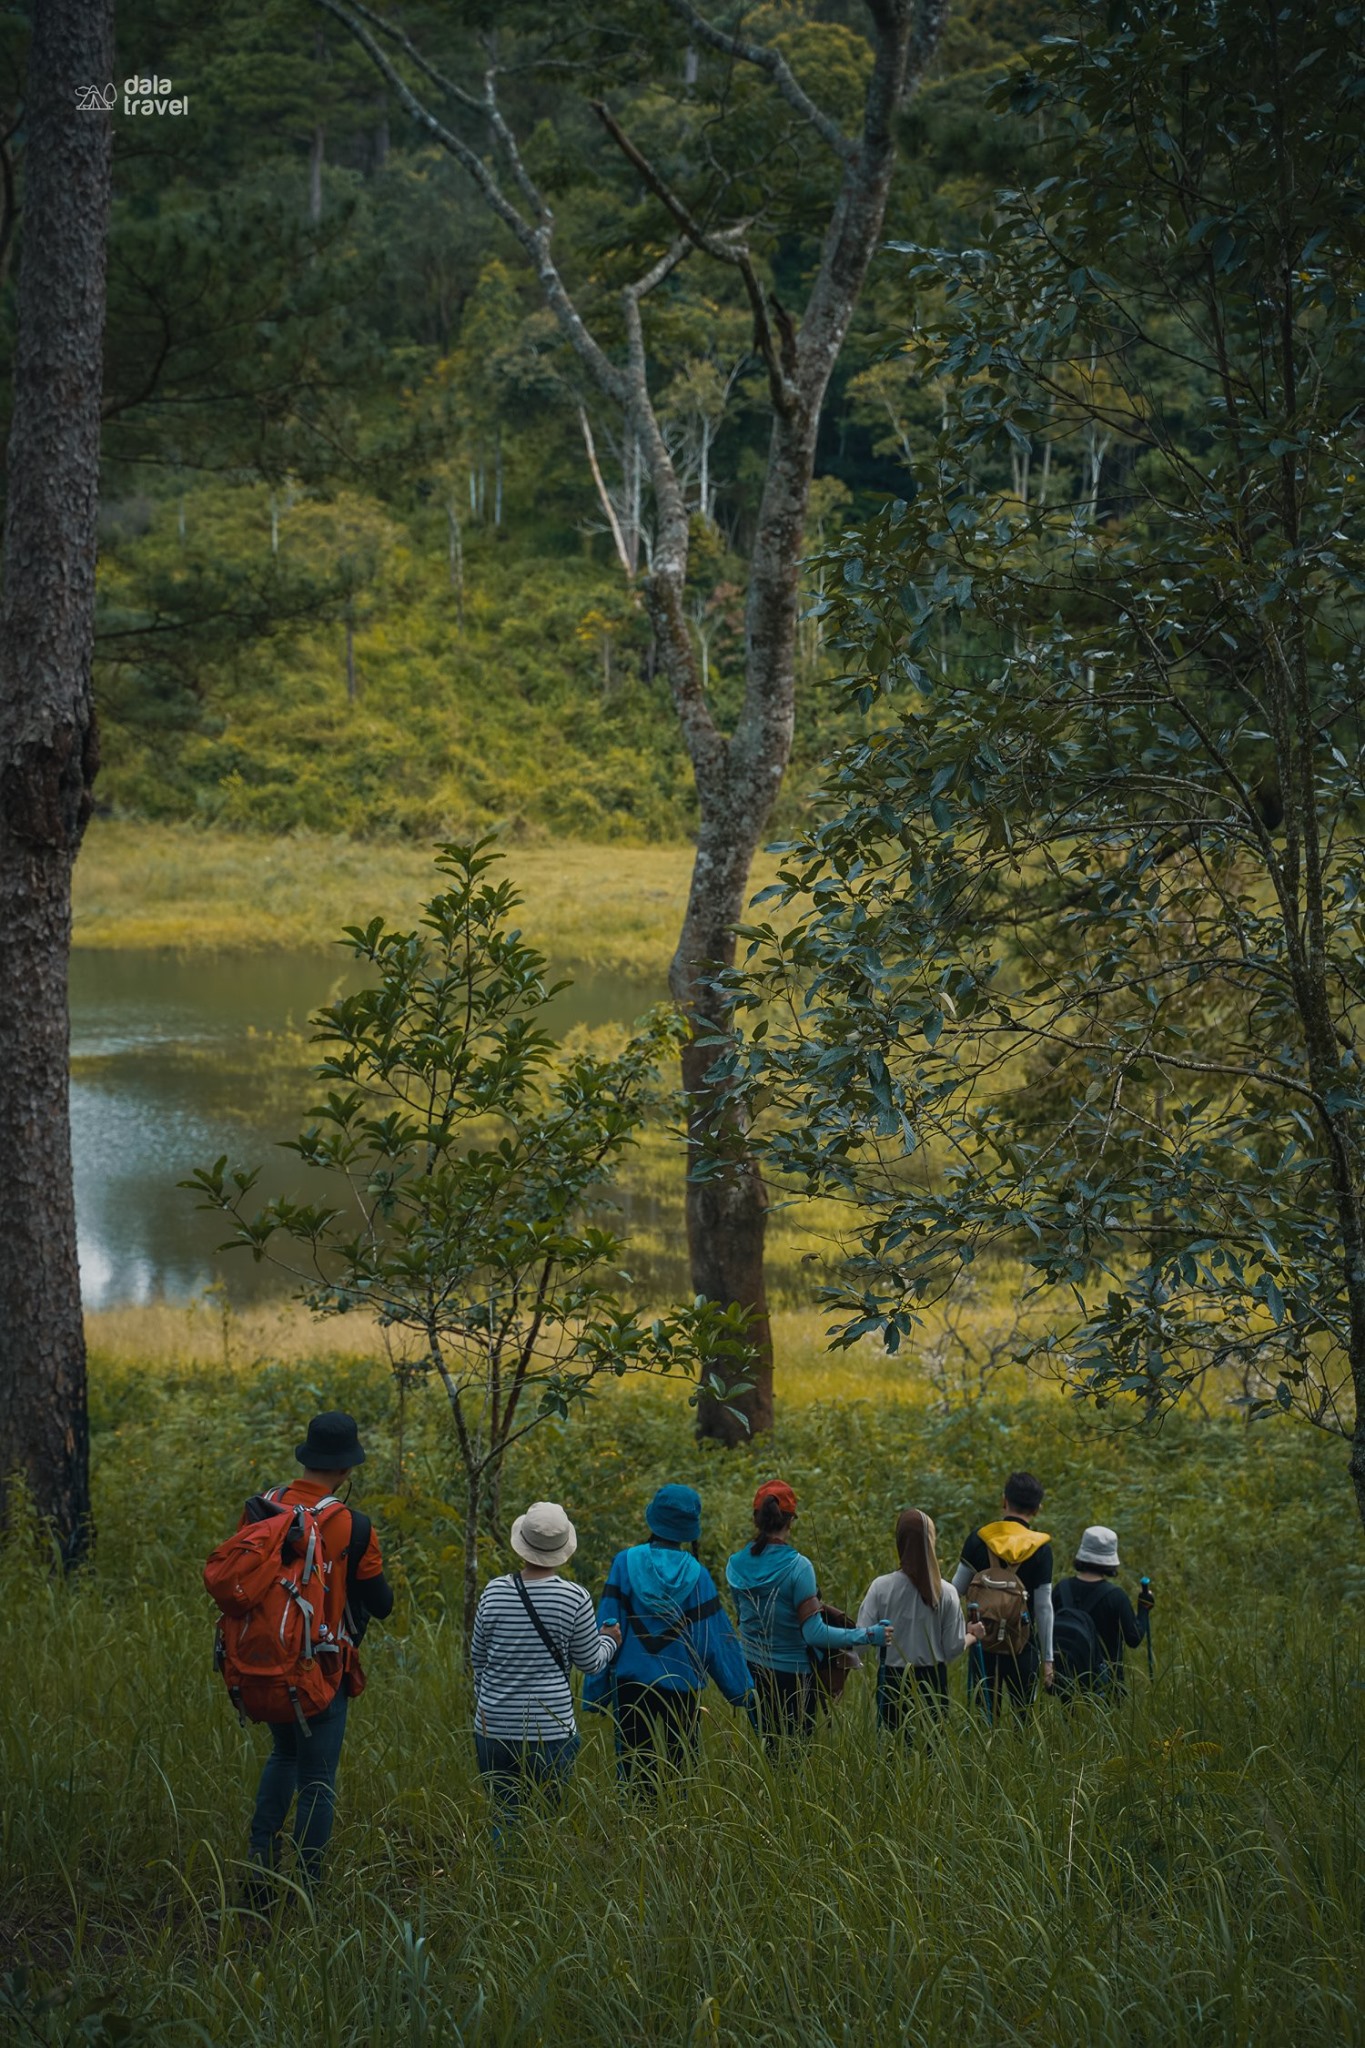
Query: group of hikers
[(303, 1576)]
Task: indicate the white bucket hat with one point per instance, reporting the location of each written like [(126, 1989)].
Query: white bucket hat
[(1099, 1546), (544, 1535)]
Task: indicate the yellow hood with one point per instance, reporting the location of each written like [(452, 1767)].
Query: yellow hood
[(1012, 1543)]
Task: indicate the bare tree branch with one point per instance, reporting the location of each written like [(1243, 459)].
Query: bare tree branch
[(618, 538), (471, 101), (724, 247), (763, 58), (534, 238)]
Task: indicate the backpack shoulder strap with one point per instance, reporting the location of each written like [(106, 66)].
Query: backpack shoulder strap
[(357, 1617), (361, 1526), (538, 1625)]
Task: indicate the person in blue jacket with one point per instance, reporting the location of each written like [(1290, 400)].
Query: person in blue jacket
[(675, 1635), (780, 1623)]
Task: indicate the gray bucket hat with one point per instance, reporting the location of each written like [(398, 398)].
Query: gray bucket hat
[(544, 1535), (1099, 1546)]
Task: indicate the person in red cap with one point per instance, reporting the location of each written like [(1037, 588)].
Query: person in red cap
[(780, 1624)]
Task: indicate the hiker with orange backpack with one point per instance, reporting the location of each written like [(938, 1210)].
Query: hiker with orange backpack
[(296, 1587), (1005, 1582)]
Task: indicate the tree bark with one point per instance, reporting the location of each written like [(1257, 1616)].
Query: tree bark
[(317, 156), (48, 752)]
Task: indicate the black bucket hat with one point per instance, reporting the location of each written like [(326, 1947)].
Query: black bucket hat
[(332, 1443)]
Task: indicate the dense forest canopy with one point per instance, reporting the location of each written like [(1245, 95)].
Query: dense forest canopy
[(370, 544)]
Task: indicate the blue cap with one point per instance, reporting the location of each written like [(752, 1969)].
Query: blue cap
[(675, 1514)]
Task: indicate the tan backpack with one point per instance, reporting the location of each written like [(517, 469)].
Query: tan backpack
[(1001, 1601)]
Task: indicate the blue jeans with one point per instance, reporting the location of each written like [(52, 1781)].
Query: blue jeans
[(512, 1769), (306, 1765)]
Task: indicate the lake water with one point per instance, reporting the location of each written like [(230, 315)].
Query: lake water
[(176, 1061)]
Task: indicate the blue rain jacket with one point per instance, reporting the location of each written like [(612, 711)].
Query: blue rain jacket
[(674, 1632)]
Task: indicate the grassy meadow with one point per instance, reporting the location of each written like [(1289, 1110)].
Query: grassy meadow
[(1186, 1869), (615, 909)]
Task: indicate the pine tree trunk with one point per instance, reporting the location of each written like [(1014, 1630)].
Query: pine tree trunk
[(455, 559), (48, 752), (316, 158)]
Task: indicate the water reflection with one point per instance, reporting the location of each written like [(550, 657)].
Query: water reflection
[(176, 1061)]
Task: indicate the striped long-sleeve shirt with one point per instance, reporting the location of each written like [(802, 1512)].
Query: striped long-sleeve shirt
[(520, 1693)]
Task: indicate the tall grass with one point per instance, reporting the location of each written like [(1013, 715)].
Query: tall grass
[(1187, 1868)]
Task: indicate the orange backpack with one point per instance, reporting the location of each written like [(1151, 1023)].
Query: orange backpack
[(277, 1654)]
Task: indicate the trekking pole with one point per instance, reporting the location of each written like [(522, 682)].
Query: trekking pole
[(881, 1687), (1145, 1586), (982, 1677)]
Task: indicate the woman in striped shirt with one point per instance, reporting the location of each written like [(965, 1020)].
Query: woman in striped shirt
[(531, 1628)]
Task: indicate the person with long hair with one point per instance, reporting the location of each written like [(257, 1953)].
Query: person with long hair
[(928, 1632), (780, 1623)]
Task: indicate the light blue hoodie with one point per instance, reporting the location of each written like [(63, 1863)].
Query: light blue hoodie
[(768, 1590)]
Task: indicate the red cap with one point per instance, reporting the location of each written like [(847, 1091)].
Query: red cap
[(779, 1491)]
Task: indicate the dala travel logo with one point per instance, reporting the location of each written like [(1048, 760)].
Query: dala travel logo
[(140, 96)]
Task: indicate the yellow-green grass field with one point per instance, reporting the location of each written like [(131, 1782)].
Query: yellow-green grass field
[(1184, 1868), (616, 909)]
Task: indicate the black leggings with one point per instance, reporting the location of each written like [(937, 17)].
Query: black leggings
[(656, 1727), (911, 1698), (784, 1704)]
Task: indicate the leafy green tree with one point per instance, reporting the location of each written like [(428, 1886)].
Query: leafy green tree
[(696, 116), (1078, 980), (467, 1156)]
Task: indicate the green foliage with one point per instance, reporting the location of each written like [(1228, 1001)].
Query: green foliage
[(389, 347), (224, 692), (1078, 979)]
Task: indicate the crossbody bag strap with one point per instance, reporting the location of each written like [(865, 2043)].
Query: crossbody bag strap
[(538, 1625)]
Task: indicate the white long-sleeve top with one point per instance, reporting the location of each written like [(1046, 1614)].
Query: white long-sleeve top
[(520, 1693), (921, 1634)]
